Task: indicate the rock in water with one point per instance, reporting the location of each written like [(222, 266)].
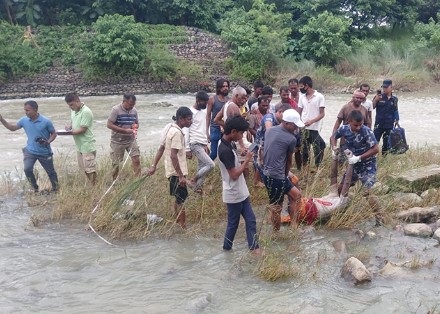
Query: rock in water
[(419, 214), (417, 180), (418, 230), (437, 235), (355, 271)]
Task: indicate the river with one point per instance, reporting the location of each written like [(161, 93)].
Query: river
[(61, 268)]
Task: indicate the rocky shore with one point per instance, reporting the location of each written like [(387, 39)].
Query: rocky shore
[(207, 50)]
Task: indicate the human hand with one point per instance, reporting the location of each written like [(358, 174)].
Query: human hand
[(354, 160), (68, 127), (189, 155), (308, 123), (249, 155), (182, 181), (148, 171), (207, 150), (335, 153), (208, 137)]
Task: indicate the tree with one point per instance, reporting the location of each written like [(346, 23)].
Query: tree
[(257, 37), (323, 38)]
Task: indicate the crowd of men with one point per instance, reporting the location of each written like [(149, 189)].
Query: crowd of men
[(237, 128)]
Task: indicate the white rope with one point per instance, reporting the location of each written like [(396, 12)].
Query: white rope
[(105, 193)]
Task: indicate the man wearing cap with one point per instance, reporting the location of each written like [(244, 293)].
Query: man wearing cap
[(279, 145), (387, 114)]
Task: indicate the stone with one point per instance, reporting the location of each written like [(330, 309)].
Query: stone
[(419, 214), (354, 270), (429, 193), (417, 230), (162, 104), (339, 246), (417, 180), (407, 199), (434, 226), (380, 188), (371, 235), (437, 234)]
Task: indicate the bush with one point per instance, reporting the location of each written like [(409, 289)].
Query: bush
[(116, 43), (257, 38), (323, 37), (428, 35)]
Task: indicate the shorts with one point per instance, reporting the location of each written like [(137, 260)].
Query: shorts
[(365, 172), (87, 161), (276, 188), (180, 192), (118, 151)]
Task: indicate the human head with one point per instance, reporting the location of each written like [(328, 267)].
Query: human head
[(128, 101), (279, 109), (305, 83), (73, 101), (263, 104), (235, 126), (292, 120), (258, 87), (365, 88), (239, 95), (222, 87), (358, 98), (248, 92), (355, 120), (267, 91), (293, 86), (387, 85), (31, 109), (284, 94), (183, 117), (202, 98)]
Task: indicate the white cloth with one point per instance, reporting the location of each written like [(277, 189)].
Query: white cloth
[(196, 133), (310, 109), (368, 104)]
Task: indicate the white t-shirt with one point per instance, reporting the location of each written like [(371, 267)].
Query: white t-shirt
[(310, 109), (196, 133), (368, 104)]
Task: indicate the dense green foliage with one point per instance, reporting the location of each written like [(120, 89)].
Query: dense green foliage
[(261, 34)]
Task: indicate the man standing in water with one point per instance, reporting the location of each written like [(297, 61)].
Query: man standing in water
[(81, 129), (235, 190), (196, 142), (124, 122), (40, 132), (176, 169), (215, 104)]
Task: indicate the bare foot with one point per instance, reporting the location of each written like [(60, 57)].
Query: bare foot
[(256, 252)]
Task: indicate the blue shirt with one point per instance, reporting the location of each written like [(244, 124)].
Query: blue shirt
[(387, 112), (42, 127), (358, 142)]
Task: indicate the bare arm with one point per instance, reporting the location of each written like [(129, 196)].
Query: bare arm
[(319, 117), (9, 126), (176, 165), (152, 169), (52, 137), (219, 118), (337, 124), (80, 130), (235, 172), (288, 163), (208, 115), (118, 129)]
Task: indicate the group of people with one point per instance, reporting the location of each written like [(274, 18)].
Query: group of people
[(239, 129), (247, 128), (40, 131)]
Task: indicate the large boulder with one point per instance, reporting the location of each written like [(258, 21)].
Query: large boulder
[(437, 235), (355, 271), (418, 230), (417, 180), (429, 193), (406, 199), (419, 214)]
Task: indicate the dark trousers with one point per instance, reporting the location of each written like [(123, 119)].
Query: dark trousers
[(243, 208), (46, 162), (313, 139), (385, 133)]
